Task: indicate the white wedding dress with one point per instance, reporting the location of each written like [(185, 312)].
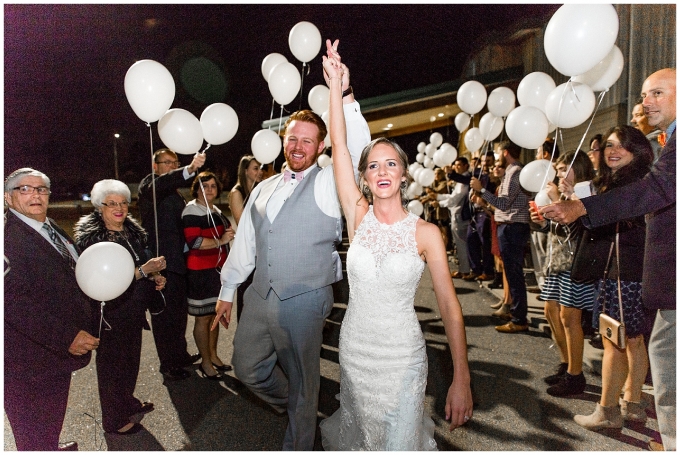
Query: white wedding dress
[(383, 363)]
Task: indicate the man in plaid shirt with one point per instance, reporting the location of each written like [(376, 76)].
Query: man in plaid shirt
[(512, 217)]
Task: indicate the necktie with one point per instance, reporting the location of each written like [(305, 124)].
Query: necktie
[(662, 139), (287, 176), (56, 240)]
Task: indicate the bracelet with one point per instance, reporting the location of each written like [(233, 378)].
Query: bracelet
[(141, 272), (347, 92)]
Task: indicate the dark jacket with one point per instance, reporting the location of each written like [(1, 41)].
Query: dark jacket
[(44, 306), (654, 196), (91, 229), (170, 205)]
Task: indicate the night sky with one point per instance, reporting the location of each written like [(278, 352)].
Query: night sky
[(65, 67)]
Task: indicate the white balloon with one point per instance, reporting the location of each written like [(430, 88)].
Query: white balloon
[(284, 83), (420, 157), (181, 131), (551, 127), (414, 190), (473, 139), (436, 139), (603, 75), (430, 149), (490, 126), (471, 97), (104, 271), (266, 145), (534, 89), (318, 99), (413, 166), (426, 177), (532, 176), (416, 174), (323, 160), (219, 123), (428, 163), (542, 199), (527, 127), (437, 158), (448, 153), (415, 207), (269, 62), (150, 89), (462, 121), (570, 104), (580, 35), (501, 101), (421, 147), (304, 41)]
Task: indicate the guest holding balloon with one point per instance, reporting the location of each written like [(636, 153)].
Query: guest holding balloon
[(207, 233), (565, 300), (249, 174), (124, 317), (512, 217), (47, 318), (161, 189)]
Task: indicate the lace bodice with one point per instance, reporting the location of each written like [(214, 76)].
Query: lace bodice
[(384, 239)]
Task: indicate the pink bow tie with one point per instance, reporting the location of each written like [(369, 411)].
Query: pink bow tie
[(287, 175)]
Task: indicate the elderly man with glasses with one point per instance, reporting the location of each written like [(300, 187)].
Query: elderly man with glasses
[(48, 320), (169, 326)]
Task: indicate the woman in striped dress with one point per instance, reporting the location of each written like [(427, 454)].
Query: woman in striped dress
[(564, 299)]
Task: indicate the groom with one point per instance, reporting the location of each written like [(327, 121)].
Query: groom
[(288, 233)]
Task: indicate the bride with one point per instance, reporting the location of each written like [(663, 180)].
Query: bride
[(383, 363)]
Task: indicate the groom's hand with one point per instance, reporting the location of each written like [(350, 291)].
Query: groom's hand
[(223, 310)]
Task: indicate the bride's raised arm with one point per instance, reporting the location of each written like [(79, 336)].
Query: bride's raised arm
[(351, 198)]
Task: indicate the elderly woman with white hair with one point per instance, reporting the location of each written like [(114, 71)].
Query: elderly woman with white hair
[(119, 351)]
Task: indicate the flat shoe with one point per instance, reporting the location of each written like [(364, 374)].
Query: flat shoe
[(132, 430), (147, 407), (511, 327), (457, 275), (215, 377), (222, 368)]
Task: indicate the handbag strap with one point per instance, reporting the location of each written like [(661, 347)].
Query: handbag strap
[(618, 275), (606, 272)]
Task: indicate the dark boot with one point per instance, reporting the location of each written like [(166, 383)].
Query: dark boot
[(559, 373), (568, 385), (497, 282)]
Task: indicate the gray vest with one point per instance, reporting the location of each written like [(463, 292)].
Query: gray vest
[(297, 252)]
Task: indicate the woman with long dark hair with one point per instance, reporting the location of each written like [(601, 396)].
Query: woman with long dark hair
[(627, 158)]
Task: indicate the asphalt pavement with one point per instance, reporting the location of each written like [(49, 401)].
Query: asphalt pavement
[(512, 410)]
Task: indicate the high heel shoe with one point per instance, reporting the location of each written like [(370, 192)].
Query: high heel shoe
[(132, 430), (215, 377), (496, 306), (222, 368)]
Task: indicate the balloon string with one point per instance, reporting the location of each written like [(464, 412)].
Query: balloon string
[(280, 119), (302, 82), (211, 222), (205, 149), (583, 138), (271, 115), (164, 305), (102, 320), (559, 113), (153, 190)]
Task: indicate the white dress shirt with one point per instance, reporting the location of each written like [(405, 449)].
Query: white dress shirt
[(241, 260)]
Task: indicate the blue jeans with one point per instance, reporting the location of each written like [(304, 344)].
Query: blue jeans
[(479, 244), (662, 355), (512, 239)]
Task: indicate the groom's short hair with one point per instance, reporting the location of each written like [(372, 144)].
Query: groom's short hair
[(308, 116)]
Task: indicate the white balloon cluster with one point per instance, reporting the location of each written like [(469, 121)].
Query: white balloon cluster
[(435, 153), (150, 90)]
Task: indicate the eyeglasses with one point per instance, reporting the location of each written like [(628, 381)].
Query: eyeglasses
[(168, 163), (112, 204), (28, 189)]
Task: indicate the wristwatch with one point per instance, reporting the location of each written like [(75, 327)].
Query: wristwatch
[(482, 191)]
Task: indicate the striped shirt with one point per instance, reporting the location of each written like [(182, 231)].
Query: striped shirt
[(512, 202)]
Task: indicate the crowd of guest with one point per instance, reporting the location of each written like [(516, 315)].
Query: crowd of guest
[(588, 263)]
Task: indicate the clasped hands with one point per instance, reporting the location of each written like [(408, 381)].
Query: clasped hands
[(333, 66)]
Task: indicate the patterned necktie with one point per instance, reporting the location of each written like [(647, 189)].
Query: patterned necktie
[(662, 139), (57, 242), (287, 176)]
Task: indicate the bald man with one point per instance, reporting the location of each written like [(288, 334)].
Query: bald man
[(654, 196)]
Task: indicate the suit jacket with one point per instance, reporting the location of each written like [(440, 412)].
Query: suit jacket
[(170, 205), (653, 196), (44, 307)]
